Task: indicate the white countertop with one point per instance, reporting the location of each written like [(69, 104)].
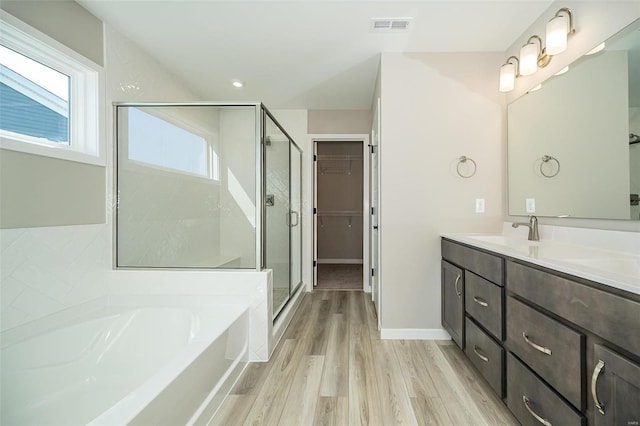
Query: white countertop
[(618, 269)]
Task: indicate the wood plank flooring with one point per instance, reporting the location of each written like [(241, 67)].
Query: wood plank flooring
[(331, 368)]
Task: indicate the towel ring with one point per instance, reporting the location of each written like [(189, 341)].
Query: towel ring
[(463, 159), (546, 159)]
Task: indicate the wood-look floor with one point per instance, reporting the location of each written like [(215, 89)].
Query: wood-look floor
[(331, 368)]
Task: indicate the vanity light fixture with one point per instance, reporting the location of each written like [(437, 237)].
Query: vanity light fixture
[(532, 56), (596, 49), (558, 30), (508, 73)]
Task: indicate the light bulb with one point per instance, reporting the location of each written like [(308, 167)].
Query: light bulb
[(557, 30), (507, 77), (529, 59)]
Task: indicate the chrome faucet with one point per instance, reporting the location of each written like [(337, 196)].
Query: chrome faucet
[(534, 235)]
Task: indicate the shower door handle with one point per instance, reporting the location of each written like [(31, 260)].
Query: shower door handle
[(291, 223)]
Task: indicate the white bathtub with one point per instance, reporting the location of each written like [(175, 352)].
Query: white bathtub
[(125, 365)]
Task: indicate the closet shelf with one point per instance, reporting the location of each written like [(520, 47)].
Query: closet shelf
[(336, 164), (342, 157), (340, 213)]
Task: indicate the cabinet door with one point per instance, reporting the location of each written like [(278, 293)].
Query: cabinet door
[(453, 302), (615, 389)]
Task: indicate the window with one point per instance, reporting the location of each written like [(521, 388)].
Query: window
[(158, 142), (49, 96)]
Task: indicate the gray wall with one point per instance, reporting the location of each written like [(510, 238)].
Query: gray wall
[(42, 191), (436, 107), (85, 36), (356, 121)]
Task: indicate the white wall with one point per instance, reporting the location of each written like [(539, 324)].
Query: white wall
[(435, 108), (238, 191)]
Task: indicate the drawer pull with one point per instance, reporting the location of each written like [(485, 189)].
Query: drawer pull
[(545, 422), (594, 385), (455, 286), (480, 301), (479, 355), (535, 346)]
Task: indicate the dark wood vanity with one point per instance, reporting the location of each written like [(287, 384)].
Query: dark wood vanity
[(558, 349)]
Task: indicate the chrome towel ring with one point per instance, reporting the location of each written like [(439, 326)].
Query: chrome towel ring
[(463, 159), (547, 159)]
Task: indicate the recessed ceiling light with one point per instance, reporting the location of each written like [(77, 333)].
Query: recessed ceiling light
[(596, 49), (237, 83), (563, 70)]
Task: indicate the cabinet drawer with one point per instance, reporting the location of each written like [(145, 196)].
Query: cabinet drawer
[(528, 397), (484, 264), (551, 349), (484, 301), (486, 355), (612, 317)]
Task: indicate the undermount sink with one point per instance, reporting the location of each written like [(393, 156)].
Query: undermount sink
[(504, 240)]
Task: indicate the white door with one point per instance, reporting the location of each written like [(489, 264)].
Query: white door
[(374, 210)]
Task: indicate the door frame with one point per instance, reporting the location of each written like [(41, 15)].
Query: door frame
[(366, 264)]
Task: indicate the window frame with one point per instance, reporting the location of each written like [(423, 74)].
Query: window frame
[(86, 97), (212, 159)]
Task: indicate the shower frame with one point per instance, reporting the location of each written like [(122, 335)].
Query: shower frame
[(261, 115)]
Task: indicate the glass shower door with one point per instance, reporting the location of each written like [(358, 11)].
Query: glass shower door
[(277, 211), (296, 220)]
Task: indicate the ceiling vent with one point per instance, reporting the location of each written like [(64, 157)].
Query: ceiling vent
[(391, 24)]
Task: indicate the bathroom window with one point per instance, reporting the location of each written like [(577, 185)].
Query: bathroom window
[(165, 142), (49, 96)]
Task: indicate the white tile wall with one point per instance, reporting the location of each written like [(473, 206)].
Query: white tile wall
[(44, 270)]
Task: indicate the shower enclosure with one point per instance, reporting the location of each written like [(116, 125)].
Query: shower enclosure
[(208, 185)]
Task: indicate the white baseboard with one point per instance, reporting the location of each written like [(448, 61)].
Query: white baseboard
[(414, 334), (341, 261)]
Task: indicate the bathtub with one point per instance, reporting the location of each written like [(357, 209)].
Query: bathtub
[(125, 364)]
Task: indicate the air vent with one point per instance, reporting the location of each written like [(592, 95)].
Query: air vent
[(391, 24)]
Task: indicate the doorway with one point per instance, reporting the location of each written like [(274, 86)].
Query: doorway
[(339, 191)]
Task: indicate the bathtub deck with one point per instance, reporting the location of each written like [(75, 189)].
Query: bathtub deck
[(331, 368)]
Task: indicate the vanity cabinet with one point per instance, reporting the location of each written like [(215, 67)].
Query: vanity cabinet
[(479, 306), (559, 349), (453, 302), (615, 388)]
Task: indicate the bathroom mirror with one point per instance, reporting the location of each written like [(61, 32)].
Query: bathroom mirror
[(571, 145)]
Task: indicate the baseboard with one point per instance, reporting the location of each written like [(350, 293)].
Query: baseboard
[(341, 261), (414, 334)]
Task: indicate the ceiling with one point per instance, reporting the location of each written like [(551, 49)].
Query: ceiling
[(311, 54)]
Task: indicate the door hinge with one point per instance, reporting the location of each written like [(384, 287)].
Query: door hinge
[(373, 272), (315, 210), (372, 210), (315, 157), (315, 263), (373, 149)]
